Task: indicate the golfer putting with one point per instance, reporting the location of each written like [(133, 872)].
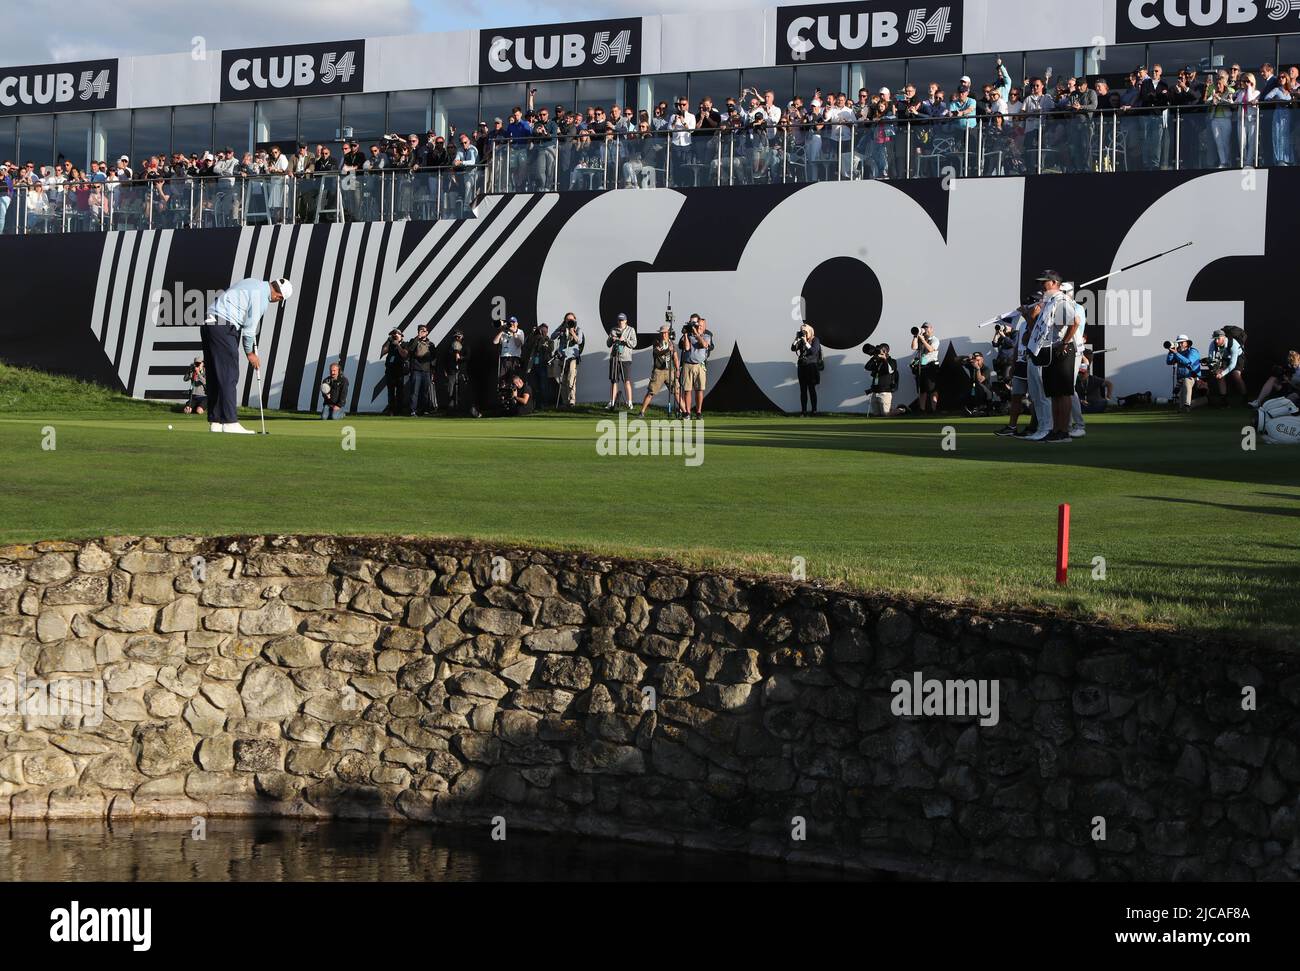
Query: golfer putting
[(232, 320)]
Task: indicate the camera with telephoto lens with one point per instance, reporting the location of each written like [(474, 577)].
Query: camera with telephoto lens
[(916, 331), (1170, 345)]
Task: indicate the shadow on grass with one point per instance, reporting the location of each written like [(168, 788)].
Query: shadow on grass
[(1208, 447), (1231, 587), (1231, 507)]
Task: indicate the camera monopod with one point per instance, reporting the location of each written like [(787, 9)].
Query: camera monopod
[(1083, 286)]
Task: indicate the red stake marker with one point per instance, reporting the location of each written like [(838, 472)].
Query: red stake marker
[(1063, 543)]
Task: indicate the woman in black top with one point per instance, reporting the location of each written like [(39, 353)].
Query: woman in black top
[(809, 366)]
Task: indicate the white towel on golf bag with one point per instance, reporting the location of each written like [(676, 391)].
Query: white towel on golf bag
[(1278, 421)]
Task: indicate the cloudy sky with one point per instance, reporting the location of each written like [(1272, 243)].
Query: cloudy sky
[(80, 29)]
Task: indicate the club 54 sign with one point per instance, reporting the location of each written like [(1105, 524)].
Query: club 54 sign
[(292, 72), (598, 48), (823, 32), (1153, 20), (79, 86)]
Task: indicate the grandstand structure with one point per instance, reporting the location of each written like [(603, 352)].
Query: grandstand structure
[(953, 235)]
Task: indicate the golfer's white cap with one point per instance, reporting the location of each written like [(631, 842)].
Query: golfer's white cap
[(1067, 287), (285, 288)]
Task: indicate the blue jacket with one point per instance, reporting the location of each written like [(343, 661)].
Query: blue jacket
[(243, 305), (1189, 364)]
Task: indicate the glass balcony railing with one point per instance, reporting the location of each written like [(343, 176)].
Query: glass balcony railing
[(1187, 138), (188, 202), (1196, 137)]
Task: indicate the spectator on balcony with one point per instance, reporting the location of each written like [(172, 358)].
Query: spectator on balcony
[(546, 132), (8, 173), (465, 165), (708, 125), (1247, 99), (640, 158), (681, 123), (962, 106), (1268, 79), (1037, 106), (1222, 114), (38, 208), (1278, 99), (659, 117), (840, 117)]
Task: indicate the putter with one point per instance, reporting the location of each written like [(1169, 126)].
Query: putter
[(257, 372)]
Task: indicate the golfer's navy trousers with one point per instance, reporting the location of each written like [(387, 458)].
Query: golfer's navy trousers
[(221, 359)]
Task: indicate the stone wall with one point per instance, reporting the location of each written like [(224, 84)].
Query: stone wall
[(435, 682)]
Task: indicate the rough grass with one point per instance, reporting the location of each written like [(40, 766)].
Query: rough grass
[(1196, 533)]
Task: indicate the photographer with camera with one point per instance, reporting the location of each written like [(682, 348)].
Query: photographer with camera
[(394, 356), (515, 396), (537, 358), (665, 370), (620, 341), (884, 380), (455, 375), (568, 353), (510, 341), (1186, 362), (419, 354), (925, 366), (694, 346), (334, 395), (1226, 366), (1093, 392), (1017, 328), (808, 366), (977, 399), (198, 381)]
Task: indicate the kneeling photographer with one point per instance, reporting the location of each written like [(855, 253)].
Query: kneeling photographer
[(884, 380), (198, 400), (1225, 367), (334, 395), (977, 399), (809, 366), (515, 396), (1186, 362)]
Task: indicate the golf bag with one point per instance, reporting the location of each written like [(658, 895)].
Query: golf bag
[(1278, 421)]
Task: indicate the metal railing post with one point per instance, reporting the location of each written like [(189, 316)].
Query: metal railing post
[(1241, 139), (1178, 141), (1257, 133), (1042, 124), (785, 154), (909, 149), (668, 161), (618, 154)]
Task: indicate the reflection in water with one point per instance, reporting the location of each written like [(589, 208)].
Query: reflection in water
[(305, 850)]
